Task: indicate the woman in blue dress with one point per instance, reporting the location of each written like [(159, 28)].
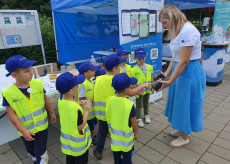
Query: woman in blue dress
[(186, 92)]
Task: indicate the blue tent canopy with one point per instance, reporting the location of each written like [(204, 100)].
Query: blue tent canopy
[(78, 29), (109, 7), (190, 4)]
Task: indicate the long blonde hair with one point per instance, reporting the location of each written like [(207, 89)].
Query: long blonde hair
[(177, 20)]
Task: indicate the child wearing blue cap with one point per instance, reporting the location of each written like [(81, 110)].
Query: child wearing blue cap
[(103, 90), (121, 119), (85, 93), (27, 106), (75, 134), (143, 73), (122, 53)]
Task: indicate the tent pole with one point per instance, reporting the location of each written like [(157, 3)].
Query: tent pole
[(200, 22), (55, 35)]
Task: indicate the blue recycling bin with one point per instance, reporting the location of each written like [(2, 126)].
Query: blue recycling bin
[(213, 62)]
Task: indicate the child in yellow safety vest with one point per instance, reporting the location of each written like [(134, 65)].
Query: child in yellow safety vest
[(86, 90), (75, 134), (103, 90), (121, 119), (27, 106), (143, 73)]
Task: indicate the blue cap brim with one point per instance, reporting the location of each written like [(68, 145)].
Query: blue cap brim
[(92, 67), (27, 64), (79, 79), (122, 60), (140, 55), (133, 80)]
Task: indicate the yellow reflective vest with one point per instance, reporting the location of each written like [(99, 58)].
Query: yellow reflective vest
[(117, 114), (72, 143), (89, 89), (31, 113), (140, 76), (103, 90), (128, 70)]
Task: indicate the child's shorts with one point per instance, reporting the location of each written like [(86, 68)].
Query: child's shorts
[(92, 123)]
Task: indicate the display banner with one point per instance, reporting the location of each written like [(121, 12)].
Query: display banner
[(221, 23), (139, 28)]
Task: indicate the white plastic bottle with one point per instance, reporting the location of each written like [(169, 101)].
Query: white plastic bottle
[(92, 60)]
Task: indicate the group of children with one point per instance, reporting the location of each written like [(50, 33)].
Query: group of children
[(104, 100)]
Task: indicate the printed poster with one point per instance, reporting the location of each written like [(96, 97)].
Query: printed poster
[(19, 21), (7, 21), (13, 39)]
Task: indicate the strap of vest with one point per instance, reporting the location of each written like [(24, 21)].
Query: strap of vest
[(35, 114), (120, 132)]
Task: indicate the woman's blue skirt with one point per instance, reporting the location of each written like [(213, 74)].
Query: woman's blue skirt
[(184, 107)]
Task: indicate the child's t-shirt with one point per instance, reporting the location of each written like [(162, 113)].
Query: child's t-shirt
[(133, 113), (82, 92), (23, 90), (143, 69)]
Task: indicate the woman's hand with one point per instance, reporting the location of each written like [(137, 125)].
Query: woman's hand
[(165, 84)]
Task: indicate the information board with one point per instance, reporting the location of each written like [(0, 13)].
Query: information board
[(20, 28)]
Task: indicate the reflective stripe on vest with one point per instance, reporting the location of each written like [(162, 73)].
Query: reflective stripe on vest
[(74, 149), (74, 139), (99, 103), (35, 114), (99, 113), (120, 132), (41, 122), (121, 143), (91, 113)]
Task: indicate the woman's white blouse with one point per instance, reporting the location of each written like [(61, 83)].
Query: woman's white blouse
[(188, 36)]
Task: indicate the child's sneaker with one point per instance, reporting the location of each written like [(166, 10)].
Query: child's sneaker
[(140, 123), (179, 142), (97, 155), (94, 142), (147, 119)]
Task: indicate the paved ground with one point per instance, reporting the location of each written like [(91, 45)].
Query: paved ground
[(212, 145)]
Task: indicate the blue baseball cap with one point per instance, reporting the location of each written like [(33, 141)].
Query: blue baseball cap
[(86, 66), (112, 61), (17, 61), (140, 52), (122, 81), (99, 71), (122, 51), (67, 81)]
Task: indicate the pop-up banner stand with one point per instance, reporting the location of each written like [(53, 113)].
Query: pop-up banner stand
[(139, 28)]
